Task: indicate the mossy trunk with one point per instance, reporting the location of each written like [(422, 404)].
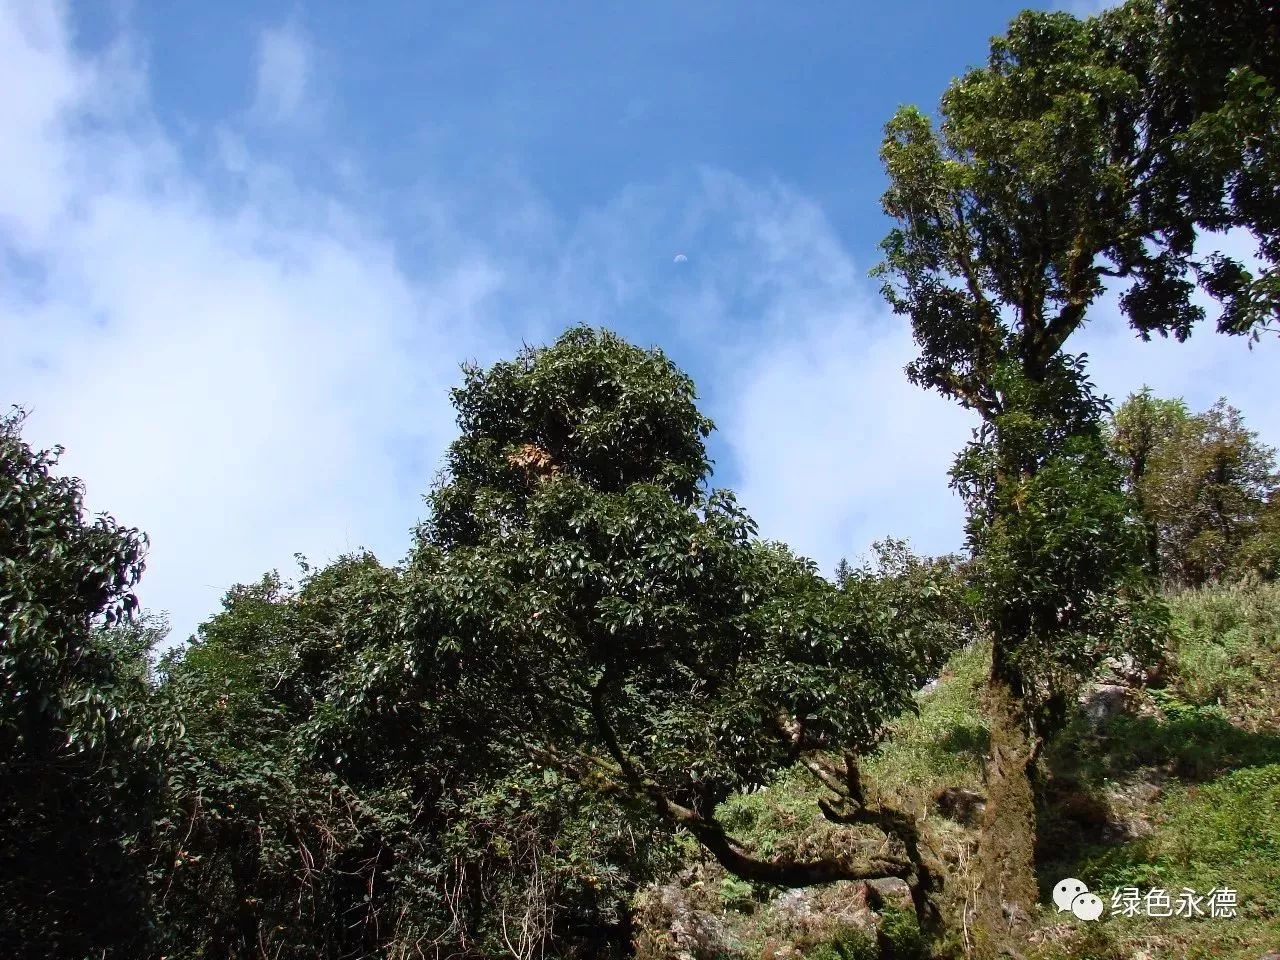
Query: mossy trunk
[(1007, 892)]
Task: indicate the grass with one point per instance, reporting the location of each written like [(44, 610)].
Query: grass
[(1186, 793), (1225, 833), (1196, 781), (945, 742), (1227, 651), (942, 744)]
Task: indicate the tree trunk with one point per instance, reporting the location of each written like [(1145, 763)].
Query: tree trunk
[(1007, 891)]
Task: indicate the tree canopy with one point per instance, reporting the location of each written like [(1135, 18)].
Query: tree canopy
[(627, 613), (80, 778), (1087, 150), (1202, 485)]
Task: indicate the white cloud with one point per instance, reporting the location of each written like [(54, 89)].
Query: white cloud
[(241, 383), (834, 447), (249, 372), (284, 74), (838, 450)]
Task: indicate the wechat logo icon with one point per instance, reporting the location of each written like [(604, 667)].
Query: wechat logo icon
[(1071, 894)]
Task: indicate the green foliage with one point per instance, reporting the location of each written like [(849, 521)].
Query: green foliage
[(1079, 152), (1195, 743), (1137, 435), (930, 599), (900, 937), (261, 847), (476, 750), (1189, 793), (737, 894), (1226, 833), (1227, 649), (330, 799), (849, 945), (1209, 72), (1223, 833), (1057, 165), (593, 407), (1202, 484), (76, 758), (944, 742), (779, 819), (1059, 562), (639, 619), (1259, 556)]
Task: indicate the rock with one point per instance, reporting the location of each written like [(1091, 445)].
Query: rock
[(960, 805), (889, 892), (1127, 671), (1103, 702), (674, 926), (1014, 914), (803, 918), (794, 905), (1085, 809), (1059, 933), (1123, 670)]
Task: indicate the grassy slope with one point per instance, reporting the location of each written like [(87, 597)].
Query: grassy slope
[(1212, 748), (1184, 793)]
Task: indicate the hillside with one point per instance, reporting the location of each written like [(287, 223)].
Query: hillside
[(1169, 782)]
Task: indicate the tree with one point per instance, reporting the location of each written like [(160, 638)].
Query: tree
[(1208, 137), (624, 625), (340, 790), (79, 768), (1201, 485), (1260, 555), (1072, 158), (931, 600), (1138, 436)]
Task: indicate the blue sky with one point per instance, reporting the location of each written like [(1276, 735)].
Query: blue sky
[(244, 246)]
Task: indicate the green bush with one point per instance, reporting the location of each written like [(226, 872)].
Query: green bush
[(849, 945), (737, 895), (900, 936), (1226, 648)]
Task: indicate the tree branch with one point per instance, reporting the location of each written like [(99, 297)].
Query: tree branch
[(729, 852), (1077, 283)]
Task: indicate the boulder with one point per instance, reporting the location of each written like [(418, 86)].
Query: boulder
[(813, 915), (674, 925), (889, 892), (960, 805), (1103, 702)]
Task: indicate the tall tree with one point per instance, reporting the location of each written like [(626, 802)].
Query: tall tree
[(1071, 159), (79, 781), (1138, 435), (1201, 484), (631, 628)]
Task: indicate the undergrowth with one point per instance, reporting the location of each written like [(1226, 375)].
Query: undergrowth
[(1183, 792)]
